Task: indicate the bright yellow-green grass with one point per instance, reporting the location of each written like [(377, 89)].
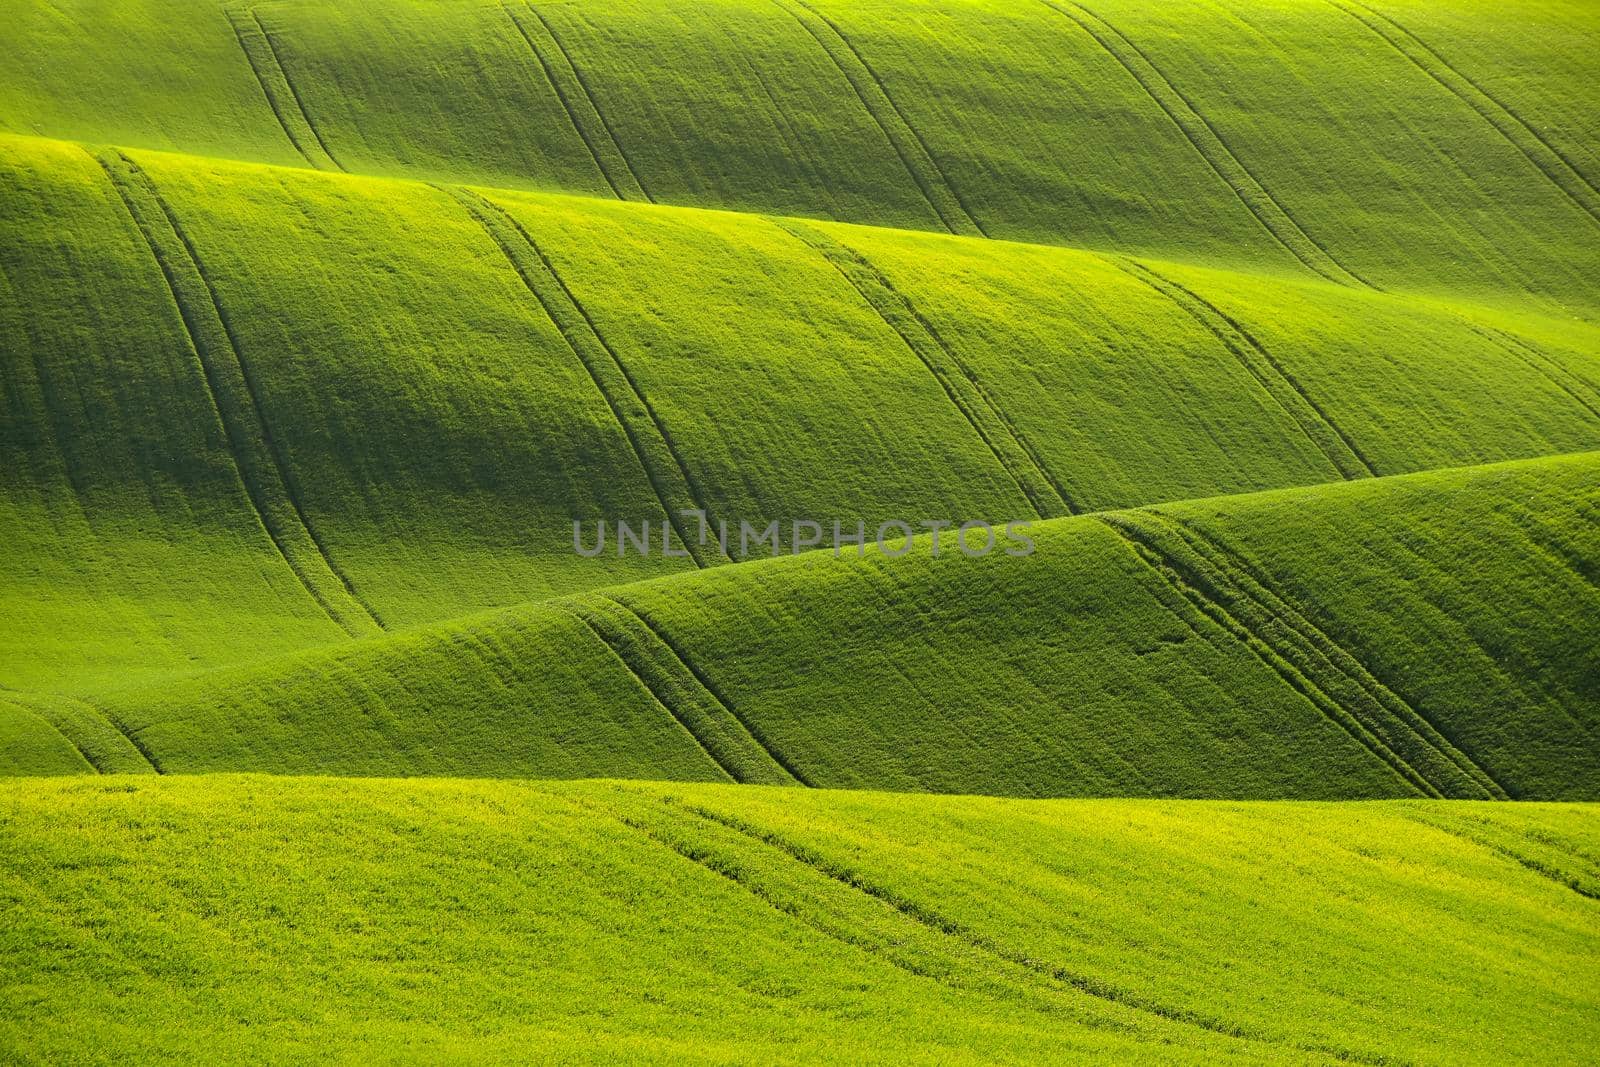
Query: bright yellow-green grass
[(294, 919), (1403, 145), (322, 321), (285, 409)]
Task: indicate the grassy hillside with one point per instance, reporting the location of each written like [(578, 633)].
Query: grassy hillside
[(256, 409), (1416, 636), (263, 919), (1275, 321), (1396, 145)]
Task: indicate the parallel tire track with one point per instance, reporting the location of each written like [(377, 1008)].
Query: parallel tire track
[(262, 55), (1336, 669), (1282, 386), (1177, 565), (1010, 447), (931, 179), (722, 735), (791, 772), (1541, 363), (257, 457), (957, 948), (1272, 215), (579, 102), (663, 464), (103, 743), (1522, 136), (55, 727)]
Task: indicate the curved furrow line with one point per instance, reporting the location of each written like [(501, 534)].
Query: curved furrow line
[(261, 52), (1541, 363), (783, 770), (1177, 567), (675, 487), (935, 186), (1334, 656), (636, 660), (1001, 957), (1255, 197), (1543, 870), (1004, 440), (1544, 156), (1314, 422), (257, 456), (581, 109), (247, 31), (89, 729)]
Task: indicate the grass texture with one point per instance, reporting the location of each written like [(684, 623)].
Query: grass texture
[(722, 924), (322, 321), (1285, 644), (286, 409), (1397, 145)]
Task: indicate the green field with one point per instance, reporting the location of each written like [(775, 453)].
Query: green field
[(1274, 321)]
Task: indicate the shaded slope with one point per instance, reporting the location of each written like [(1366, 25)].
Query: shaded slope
[(250, 408), (1424, 635), (1395, 145), (861, 926)]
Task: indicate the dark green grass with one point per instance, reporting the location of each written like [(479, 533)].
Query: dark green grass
[(1416, 636), (273, 920), (285, 408), (1403, 145)]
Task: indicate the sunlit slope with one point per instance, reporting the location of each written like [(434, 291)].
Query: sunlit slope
[(722, 925), (253, 409), (1418, 636), (1400, 145)]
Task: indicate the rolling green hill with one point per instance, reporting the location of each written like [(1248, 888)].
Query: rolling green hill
[(263, 919), (235, 436), (1284, 644), (1402, 146), (332, 330)]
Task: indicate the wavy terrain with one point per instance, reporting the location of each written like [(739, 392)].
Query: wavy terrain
[(1264, 336), (734, 924)]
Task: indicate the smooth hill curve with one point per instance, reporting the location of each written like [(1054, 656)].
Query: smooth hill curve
[(859, 926), (1390, 144), (1420, 635), (284, 409)]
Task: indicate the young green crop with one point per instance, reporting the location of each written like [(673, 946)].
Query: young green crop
[(285, 408), (269, 919), (1415, 636), (1405, 146)]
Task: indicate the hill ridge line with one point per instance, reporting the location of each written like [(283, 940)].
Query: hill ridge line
[(563, 94), (1271, 214), (1545, 157), (1313, 421), (897, 129), (539, 277), (1232, 267), (265, 477), (1027, 470), (1239, 570), (492, 613)]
